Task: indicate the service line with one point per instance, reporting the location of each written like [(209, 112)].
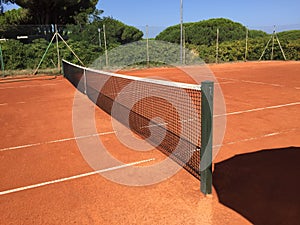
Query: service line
[(251, 82), (55, 141), (259, 109), (27, 86), (73, 177), (258, 137)]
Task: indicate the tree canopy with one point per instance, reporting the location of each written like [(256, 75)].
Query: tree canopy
[(290, 35), (55, 11), (204, 32), (14, 17), (116, 32)]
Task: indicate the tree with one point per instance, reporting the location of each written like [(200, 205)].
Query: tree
[(204, 32), (14, 17), (54, 11), (289, 35), (116, 32), (10, 23)]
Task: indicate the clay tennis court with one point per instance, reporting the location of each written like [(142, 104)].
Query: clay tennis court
[(44, 178)]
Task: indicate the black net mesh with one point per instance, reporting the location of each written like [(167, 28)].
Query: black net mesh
[(165, 114)]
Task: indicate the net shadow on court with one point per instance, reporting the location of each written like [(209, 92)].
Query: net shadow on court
[(262, 186)]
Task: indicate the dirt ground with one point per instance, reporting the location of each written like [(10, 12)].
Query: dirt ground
[(41, 164)]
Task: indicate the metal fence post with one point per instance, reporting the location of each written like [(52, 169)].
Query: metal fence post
[(2, 61)]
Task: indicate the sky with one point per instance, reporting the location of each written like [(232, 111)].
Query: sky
[(261, 14), (159, 14)]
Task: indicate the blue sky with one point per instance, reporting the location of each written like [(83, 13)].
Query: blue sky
[(159, 14), (251, 13)]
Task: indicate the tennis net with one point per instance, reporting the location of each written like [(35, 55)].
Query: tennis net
[(168, 115)]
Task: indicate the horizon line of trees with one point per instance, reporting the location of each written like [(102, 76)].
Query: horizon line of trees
[(202, 38), (85, 36)]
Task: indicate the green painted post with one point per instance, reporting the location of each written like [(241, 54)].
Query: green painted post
[(2, 62), (207, 93)]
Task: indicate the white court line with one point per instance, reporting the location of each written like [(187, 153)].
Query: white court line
[(257, 137), (42, 85), (262, 136), (165, 124), (73, 177), (28, 102), (19, 147), (258, 82), (259, 109), (55, 141), (227, 82), (254, 82), (232, 113), (251, 82), (26, 86), (232, 80), (155, 125)]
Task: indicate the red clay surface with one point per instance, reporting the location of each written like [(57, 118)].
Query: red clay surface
[(37, 145)]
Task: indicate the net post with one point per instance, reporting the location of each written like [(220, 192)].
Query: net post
[(207, 93)]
